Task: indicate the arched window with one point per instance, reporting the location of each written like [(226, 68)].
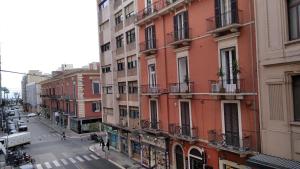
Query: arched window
[(196, 159), (179, 159)]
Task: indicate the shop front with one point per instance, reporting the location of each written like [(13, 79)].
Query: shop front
[(154, 152), (124, 142), (84, 125), (135, 147), (112, 135)]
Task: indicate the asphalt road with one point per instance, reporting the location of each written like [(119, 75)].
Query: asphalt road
[(50, 152)]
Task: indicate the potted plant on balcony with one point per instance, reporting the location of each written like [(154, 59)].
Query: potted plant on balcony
[(221, 74)]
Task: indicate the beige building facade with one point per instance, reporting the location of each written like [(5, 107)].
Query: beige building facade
[(119, 74), (278, 51)]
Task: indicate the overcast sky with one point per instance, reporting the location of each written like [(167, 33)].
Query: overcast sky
[(43, 34)]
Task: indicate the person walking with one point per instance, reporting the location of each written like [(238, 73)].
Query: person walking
[(63, 135), (107, 144), (103, 145)]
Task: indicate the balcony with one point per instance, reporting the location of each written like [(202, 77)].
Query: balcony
[(158, 8), (151, 90), (183, 89), (227, 87), (148, 47), (180, 38), (151, 127), (183, 132), (230, 141), (224, 23)]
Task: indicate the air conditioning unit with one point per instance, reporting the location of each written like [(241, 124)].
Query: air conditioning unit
[(118, 96), (215, 88)]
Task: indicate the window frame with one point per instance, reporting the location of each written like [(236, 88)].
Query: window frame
[(119, 41), (130, 36)]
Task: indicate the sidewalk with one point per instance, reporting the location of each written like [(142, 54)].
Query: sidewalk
[(120, 160), (69, 133)]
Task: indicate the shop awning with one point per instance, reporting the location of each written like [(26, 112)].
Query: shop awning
[(272, 162)]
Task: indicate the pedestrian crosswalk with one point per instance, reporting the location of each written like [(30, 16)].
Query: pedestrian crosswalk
[(66, 161)]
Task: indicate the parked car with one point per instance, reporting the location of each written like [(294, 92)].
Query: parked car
[(31, 115)]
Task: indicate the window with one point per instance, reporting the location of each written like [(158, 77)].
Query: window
[(103, 4), (96, 106), (153, 113), (296, 97), (196, 159), (122, 87), (104, 26), (131, 62), (118, 17), (181, 26), (134, 112), (105, 47), (129, 10), (229, 69), (185, 118), (226, 12), (107, 89), (96, 87), (119, 41), (120, 64), (152, 75), (294, 19), (132, 87), (231, 121), (106, 69), (123, 111), (130, 36), (150, 37)]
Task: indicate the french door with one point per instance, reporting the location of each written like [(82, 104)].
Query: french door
[(185, 118), (231, 121)]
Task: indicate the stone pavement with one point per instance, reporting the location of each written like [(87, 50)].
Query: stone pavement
[(120, 160)]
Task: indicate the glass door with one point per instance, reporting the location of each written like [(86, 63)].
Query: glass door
[(152, 78), (153, 109), (229, 69)]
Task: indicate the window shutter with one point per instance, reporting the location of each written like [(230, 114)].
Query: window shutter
[(146, 38), (234, 11), (217, 13), (154, 36), (186, 24), (175, 24)]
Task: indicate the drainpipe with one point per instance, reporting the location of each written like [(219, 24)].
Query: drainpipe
[(166, 68), (257, 129)]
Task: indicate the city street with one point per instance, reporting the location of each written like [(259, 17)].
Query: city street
[(50, 151)]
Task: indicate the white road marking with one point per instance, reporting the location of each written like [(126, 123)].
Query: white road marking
[(87, 158), (72, 160), (64, 161), (56, 163), (39, 166), (94, 157), (47, 164), (79, 159)]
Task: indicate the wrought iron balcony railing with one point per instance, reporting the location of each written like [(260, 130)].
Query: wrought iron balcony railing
[(227, 86), (160, 6), (227, 19), (150, 125), (148, 45), (186, 87), (183, 131), (182, 35), (231, 141), (151, 89)]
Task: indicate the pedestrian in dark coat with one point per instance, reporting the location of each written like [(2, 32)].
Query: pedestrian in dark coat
[(107, 144)]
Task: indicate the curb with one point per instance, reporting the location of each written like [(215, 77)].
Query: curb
[(58, 131), (114, 163)]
